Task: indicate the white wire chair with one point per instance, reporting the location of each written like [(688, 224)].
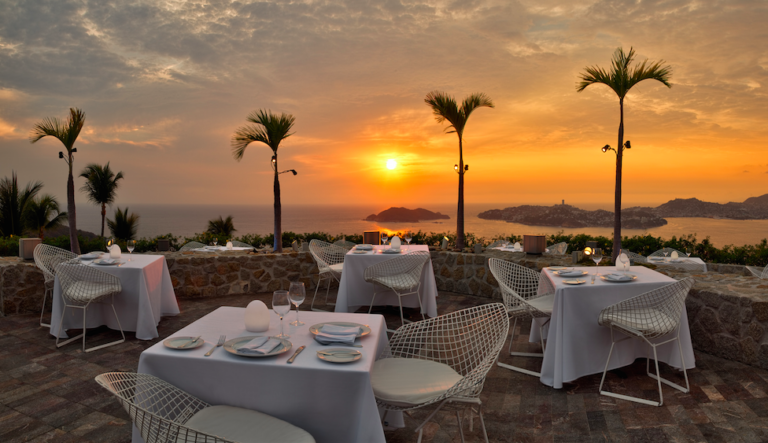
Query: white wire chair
[(47, 257), (648, 316), (496, 244), (348, 245), (191, 245), (402, 275), (557, 249), (239, 244), (758, 272), (442, 360), (668, 251), (82, 285), (330, 264), (164, 413), (637, 258), (520, 290)]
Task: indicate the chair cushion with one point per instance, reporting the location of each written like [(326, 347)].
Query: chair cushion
[(245, 426), (411, 381), (398, 282), (85, 291), (645, 320), (338, 267), (543, 303)]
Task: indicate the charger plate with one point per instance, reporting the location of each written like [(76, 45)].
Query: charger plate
[(364, 329), (183, 343), (339, 355), (633, 276), (233, 345)]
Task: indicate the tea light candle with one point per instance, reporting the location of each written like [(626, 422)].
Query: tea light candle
[(256, 317), (114, 251)]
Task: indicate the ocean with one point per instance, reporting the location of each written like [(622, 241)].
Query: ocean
[(186, 220)]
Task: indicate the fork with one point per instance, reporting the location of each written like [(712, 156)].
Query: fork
[(222, 339)]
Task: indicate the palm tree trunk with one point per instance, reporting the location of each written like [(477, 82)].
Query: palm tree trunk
[(74, 244), (617, 198), (103, 216), (460, 209), (278, 244)]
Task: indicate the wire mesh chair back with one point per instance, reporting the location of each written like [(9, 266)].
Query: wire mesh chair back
[(82, 284), (469, 341), (348, 245), (557, 249), (157, 408), (652, 314), (399, 273), (637, 258), (496, 244), (519, 284), (191, 245), (669, 251), (326, 255), (758, 272), (47, 257)]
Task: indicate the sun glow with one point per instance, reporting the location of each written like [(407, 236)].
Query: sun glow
[(391, 163)]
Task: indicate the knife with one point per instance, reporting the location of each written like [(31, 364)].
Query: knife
[(298, 351)]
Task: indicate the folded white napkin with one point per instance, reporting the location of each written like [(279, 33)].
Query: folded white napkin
[(337, 334), (570, 273), (618, 277), (108, 261), (391, 251), (259, 345), (364, 247)]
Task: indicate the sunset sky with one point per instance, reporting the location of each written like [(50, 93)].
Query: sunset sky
[(164, 85)]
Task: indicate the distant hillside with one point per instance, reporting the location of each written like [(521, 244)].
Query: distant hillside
[(567, 216), (406, 215), (753, 208)]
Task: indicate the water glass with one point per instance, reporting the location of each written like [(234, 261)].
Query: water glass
[(297, 294), (623, 260), (597, 255), (384, 238), (215, 241), (131, 247), (408, 238), (281, 304)]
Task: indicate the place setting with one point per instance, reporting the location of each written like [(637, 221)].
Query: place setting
[(362, 249), (339, 334)]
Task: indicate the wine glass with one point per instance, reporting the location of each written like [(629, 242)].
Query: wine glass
[(131, 247), (597, 255), (408, 238), (384, 238), (215, 241), (623, 259), (297, 295), (281, 304)]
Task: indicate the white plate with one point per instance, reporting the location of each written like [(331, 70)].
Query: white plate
[(391, 251), (570, 274), (364, 329), (574, 282), (359, 252), (342, 355), (90, 256), (634, 277), (101, 262), (364, 247), (558, 268), (183, 343), (233, 345)]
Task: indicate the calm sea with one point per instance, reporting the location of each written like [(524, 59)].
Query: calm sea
[(185, 220)]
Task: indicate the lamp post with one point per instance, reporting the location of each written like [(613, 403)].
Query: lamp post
[(456, 168)]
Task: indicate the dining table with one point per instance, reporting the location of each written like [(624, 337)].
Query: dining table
[(334, 402), (693, 264), (576, 345), (355, 292), (147, 295)]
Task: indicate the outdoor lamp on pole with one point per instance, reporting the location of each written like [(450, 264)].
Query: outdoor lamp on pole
[(456, 168), (274, 162), (607, 148)]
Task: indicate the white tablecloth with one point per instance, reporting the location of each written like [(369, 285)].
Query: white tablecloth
[(693, 264), (355, 292), (222, 249), (147, 295), (333, 402), (577, 345)]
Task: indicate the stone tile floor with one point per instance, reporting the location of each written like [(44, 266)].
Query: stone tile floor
[(48, 394)]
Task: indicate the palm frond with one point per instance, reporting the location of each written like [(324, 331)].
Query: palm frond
[(43, 214), (474, 101), (444, 108), (124, 226), (269, 128), (221, 226), (101, 183), (66, 132), (13, 204), (621, 78)]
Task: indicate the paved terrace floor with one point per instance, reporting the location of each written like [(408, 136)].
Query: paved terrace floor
[(49, 395)]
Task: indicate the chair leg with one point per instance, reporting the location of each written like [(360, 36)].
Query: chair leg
[(482, 422), (461, 428), (42, 311), (519, 354), (61, 324), (116, 342), (312, 306)]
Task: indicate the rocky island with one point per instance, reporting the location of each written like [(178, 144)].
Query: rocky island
[(406, 215), (753, 208), (567, 216)]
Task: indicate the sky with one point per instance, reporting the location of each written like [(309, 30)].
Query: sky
[(165, 84)]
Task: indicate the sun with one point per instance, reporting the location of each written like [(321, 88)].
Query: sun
[(391, 163)]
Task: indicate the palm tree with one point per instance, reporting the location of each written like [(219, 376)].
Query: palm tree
[(124, 226), (221, 226), (100, 187), (67, 133), (621, 78), (43, 213), (13, 203), (271, 131), (444, 107)]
